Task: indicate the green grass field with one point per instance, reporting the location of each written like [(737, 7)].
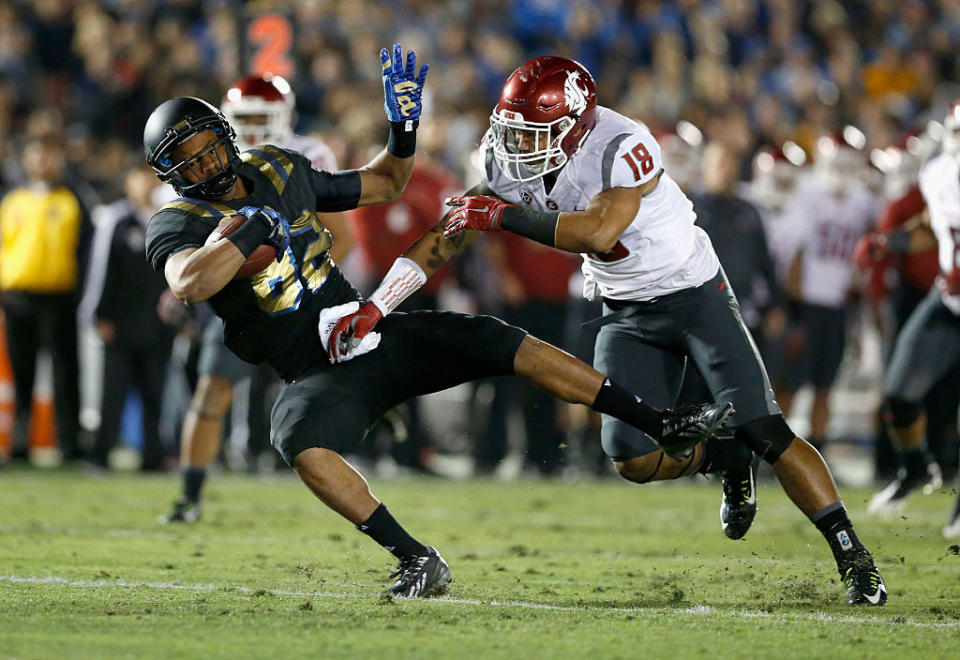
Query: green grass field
[(541, 569)]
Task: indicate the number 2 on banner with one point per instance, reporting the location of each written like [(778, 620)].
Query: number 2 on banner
[(272, 35), (642, 156)]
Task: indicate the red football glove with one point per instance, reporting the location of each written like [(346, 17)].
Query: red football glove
[(474, 212), (870, 249), (351, 329)]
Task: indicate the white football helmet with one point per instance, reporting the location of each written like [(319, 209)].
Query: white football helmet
[(775, 174), (840, 159)]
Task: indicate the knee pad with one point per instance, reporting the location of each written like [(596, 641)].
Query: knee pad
[(767, 436), (900, 412)]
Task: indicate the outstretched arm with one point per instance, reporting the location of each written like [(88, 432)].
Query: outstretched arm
[(408, 273), (595, 229)]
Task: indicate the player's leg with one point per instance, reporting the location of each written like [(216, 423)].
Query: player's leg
[(926, 348), (725, 354), (952, 530), (202, 431), (325, 414), (116, 385), (827, 331), (22, 330)]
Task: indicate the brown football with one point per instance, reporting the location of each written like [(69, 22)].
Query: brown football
[(261, 257)]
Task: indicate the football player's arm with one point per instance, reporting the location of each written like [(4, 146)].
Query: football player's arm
[(434, 249), (196, 274), (598, 227), (384, 178)]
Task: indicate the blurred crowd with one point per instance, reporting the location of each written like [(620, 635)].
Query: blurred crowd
[(774, 85)]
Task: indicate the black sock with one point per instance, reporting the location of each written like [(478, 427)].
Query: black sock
[(915, 461), (615, 401), (193, 477), (385, 530), (722, 454), (835, 525)]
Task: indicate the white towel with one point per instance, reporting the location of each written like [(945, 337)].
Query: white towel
[(330, 316)]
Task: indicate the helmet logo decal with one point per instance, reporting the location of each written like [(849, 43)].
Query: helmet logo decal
[(576, 96)]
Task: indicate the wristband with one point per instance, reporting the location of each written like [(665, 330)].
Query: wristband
[(250, 235), (539, 225), (402, 141), (403, 278), (898, 241)]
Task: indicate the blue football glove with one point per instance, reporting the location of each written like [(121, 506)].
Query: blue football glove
[(279, 236), (402, 92)]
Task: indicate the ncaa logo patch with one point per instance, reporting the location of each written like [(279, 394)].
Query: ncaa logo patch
[(844, 539)]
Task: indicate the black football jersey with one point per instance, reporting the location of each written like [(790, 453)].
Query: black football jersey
[(271, 317)]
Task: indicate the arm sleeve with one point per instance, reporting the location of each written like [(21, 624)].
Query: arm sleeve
[(170, 232), (333, 191)]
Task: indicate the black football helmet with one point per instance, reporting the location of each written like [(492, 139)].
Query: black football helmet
[(170, 125)]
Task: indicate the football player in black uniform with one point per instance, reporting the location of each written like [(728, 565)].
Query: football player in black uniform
[(328, 403)]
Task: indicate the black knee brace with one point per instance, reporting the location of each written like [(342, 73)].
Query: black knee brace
[(767, 436), (900, 412)]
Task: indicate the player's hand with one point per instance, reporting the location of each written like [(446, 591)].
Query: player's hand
[(350, 331), (274, 223), (479, 212), (870, 250), (402, 86)]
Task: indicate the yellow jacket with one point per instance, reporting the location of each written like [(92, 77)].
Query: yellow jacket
[(39, 240)]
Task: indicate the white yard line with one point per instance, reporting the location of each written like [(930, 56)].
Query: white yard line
[(695, 610)]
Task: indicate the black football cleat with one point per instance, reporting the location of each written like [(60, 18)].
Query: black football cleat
[(738, 504), (687, 426), (863, 582), (183, 511), (894, 497), (419, 577)]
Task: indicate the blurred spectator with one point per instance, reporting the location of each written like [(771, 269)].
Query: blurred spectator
[(737, 233), (44, 239), (833, 208), (123, 292)]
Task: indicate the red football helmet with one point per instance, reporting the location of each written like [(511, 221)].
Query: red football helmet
[(260, 108), (546, 110)]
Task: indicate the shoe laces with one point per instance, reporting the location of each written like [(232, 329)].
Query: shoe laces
[(409, 567)]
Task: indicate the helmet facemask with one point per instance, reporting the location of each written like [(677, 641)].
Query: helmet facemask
[(172, 170), (513, 138)]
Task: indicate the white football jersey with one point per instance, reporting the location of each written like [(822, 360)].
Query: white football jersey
[(940, 185), (313, 149), (826, 228), (661, 252)]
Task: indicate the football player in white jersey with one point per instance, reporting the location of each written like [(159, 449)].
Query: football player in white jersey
[(261, 109), (830, 211), (929, 343), (561, 170)]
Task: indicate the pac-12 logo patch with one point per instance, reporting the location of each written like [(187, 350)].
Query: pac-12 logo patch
[(552, 205), (844, 539)]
